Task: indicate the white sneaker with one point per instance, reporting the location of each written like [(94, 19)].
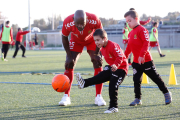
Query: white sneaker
[(65, 100), (80, 81), (5, 60), (111, 110), (99, 100)]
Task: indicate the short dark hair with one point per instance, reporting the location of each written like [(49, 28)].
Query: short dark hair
[(100, 32), (19, 29), (131, 9), (155, 23), (7, 22), (132, 13)]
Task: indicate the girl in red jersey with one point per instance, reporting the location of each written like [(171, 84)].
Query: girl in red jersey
[(138, 44), (115, 72)]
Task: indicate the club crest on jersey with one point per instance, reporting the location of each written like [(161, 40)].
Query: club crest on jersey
[(110, 56), (135, 36), (89, 31)]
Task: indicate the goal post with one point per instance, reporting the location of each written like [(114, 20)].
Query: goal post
[(52, 40)]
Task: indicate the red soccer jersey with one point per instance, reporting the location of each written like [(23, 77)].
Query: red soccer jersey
[(113, 54), (138, 43), (93, 23), (20, 34)]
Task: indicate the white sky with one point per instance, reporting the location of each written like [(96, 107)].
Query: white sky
[(17, 10)]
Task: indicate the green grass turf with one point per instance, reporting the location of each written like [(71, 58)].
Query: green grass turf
[(27, 101)]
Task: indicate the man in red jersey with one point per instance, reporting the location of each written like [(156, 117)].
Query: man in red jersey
[(138, 44), (81, 25), (115, 72), (7, 38), (19, 44)]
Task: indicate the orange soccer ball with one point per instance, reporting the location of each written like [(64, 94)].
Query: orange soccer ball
[(60, 83)]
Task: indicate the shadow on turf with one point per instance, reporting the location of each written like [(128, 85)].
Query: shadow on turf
[(168, 116), (64, 112)]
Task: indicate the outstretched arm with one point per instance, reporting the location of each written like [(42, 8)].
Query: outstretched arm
[(145, 22)]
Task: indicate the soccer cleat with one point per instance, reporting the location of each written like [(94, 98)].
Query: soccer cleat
[(65, 100), (161, 55), (136, 102), (99, 100), (111, 110), (2, 56), (80, 81), (168, 98), (13, 57)]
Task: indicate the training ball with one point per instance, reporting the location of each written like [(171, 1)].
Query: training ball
[(60, 83)]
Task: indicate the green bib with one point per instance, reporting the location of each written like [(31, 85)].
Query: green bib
[(152, 38), (6, 34), (126, 33), (128, 27)]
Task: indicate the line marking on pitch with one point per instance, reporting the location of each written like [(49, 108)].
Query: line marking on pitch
[(126, 86)]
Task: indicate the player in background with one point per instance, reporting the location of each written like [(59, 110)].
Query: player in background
[(24, 43), (81, 25), (125, 35), (138, 44), (154, 42), (12, 44), (141, 23), (35, 44), (42, 44), (19, 44), (7, 38), (115, 72)]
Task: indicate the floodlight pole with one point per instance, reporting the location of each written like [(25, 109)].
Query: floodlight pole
[(52, 21), (29, 37)]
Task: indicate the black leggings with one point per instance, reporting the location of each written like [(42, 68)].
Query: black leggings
[(114, 78), (5, 48), (150, 70), (19, 45)]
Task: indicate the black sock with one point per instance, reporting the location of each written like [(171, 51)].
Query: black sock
[(129, 60)]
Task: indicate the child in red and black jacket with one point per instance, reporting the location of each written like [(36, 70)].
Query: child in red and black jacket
[(138, 44), (115, 72)]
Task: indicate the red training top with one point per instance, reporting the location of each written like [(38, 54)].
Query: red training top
[(138, 43), (93, 23), (144, 22), (113, 54), (20, 34), (11, 35)]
